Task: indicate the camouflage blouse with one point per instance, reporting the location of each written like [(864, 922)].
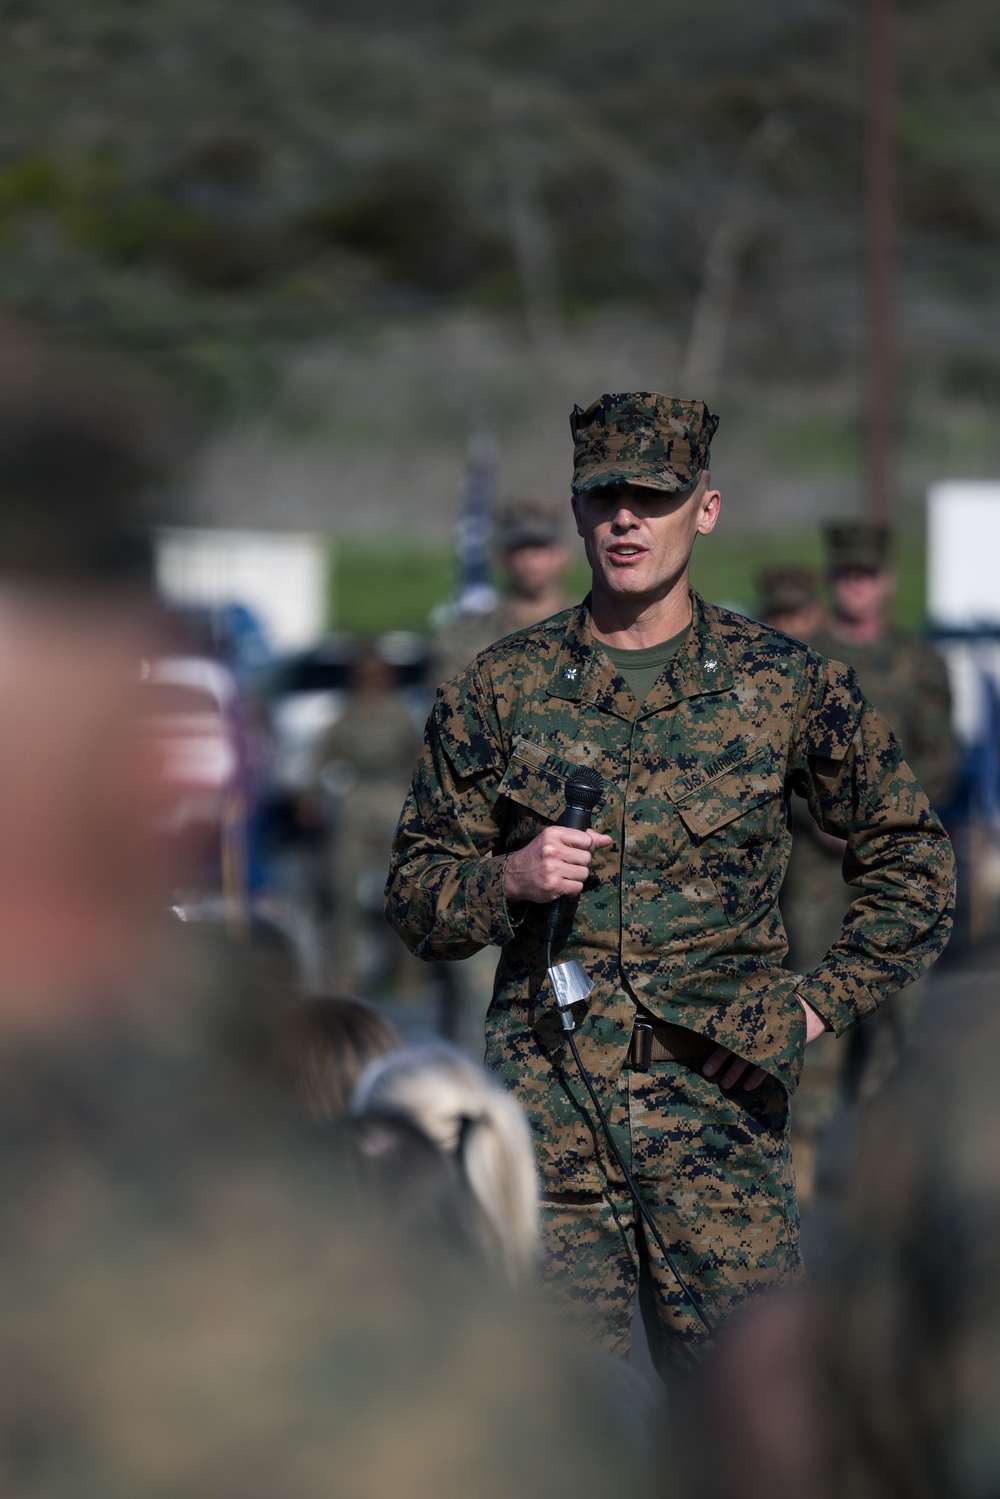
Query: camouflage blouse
[(680, 915)]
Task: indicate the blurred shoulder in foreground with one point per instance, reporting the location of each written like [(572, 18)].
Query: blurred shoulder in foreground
[(913, 1327), (195, 1300)]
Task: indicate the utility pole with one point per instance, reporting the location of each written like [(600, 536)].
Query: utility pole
[(880, 185)]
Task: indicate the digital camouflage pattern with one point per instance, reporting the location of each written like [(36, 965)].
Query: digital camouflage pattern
[(912, 1324), (680, 915), (715, 1171), (464, 635), (458, 642), (640, 437), (907, 682)]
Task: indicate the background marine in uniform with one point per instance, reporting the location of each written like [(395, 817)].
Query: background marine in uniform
[(363, 763), (906, 681), (531, 556)]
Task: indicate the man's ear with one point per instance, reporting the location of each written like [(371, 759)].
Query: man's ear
[(709, 506), (576, 514)]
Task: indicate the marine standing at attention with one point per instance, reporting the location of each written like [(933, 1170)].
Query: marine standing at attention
[(531, 556), (699, 723), (905, 679)]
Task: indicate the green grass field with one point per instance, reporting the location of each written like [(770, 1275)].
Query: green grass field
[(395, 586)]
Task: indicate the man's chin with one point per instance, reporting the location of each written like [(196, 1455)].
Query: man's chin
[(635, 586)]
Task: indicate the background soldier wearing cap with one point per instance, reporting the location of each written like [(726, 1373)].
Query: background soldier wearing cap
[(898, 672), (362, 764), (532, 556), (906, 680), (789, 600), (699, 724)]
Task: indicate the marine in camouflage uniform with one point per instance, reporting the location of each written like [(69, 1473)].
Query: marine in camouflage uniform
[(370, 752), (531, 555), (677, 922), (906, 681), (789, 600)]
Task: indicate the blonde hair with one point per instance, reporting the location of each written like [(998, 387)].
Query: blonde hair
[(455, 1103)]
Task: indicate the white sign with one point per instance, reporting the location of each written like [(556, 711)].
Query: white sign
[(282, 576), (963, 554)]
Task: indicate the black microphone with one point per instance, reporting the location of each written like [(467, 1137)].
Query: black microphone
[(583, 792)]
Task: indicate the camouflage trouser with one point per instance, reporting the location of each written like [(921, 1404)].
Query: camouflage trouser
[(714, 1170)]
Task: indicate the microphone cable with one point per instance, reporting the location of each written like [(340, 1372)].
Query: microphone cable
[(583, 792)]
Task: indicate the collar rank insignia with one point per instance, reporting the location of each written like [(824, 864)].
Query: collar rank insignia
[(570, 673), (711, 665)]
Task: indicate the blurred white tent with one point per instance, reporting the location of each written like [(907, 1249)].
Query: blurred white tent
[(963, 555), (281, 577)]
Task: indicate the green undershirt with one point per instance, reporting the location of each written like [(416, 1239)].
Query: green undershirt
[(642, 668)]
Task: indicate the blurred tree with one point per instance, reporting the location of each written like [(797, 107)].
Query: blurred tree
[(209, 181)]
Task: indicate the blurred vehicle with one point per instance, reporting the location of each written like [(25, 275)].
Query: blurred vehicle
[(230, 633), (278, 580), (306, 693), (210, 776)]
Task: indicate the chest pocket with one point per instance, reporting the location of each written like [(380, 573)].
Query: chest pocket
[(736, 821), (535, 783)]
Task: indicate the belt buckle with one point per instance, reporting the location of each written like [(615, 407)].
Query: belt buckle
[(642, 1045)]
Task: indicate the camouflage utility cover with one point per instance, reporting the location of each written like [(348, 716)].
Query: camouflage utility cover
[(529, 521), (784, 588), (680, 914), (862, 545), (643, 438)]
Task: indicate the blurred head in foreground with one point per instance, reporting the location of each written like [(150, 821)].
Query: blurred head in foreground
[(326, 1043), (187, 1302), (418, 1192), (78, 788), (457, 1106), (194, 1301)]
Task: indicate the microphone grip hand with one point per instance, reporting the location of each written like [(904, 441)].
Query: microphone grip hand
[(553, 864)]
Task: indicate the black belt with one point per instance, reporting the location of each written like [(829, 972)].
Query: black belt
[(662, 1041)]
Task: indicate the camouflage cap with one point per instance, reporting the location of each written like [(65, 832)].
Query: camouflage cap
[(528, 521), (784, 588), (862, 545), (640, 437)]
